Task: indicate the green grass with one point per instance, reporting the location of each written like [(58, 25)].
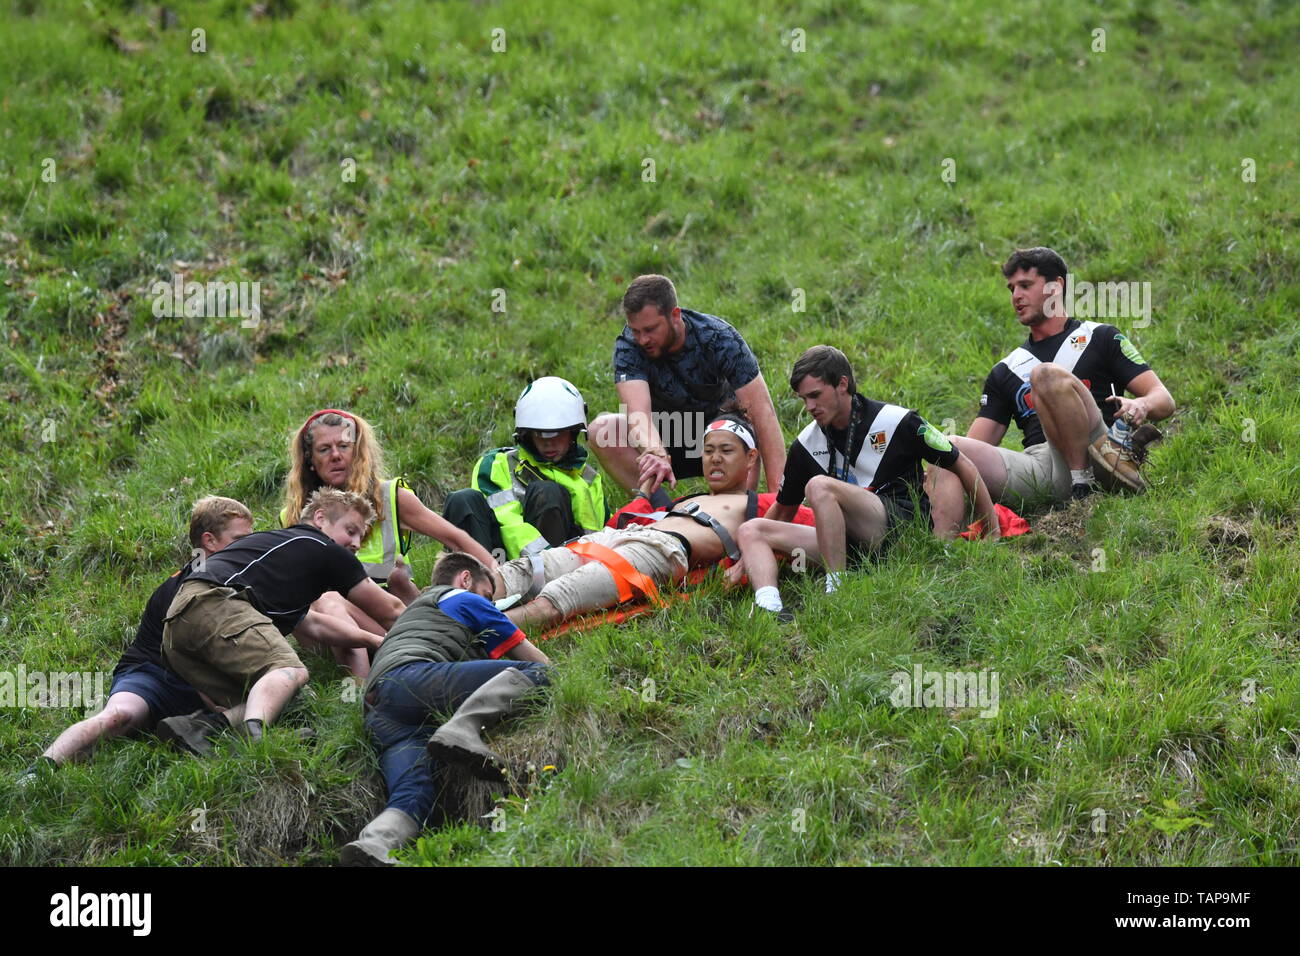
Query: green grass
[(775, 170)]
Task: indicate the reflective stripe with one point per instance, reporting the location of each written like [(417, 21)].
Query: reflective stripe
[(539, 575), (497, 499), (379, 557), (536, 546), (516, 484)]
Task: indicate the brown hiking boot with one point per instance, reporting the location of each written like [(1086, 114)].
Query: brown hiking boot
[(1144, 435), (1116, 463)]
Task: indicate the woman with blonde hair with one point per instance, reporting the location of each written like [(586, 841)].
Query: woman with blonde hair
[(338, 449)]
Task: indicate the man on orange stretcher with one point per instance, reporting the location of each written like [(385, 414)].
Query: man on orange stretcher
[(614, 565)]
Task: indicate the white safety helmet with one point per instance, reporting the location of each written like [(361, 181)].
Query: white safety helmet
[(550, 404)]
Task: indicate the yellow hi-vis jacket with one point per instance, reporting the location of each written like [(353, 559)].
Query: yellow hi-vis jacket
[(503, 476), (386, 540)]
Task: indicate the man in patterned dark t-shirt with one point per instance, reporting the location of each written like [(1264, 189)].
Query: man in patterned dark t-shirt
[(1064, 388), (674, 370)]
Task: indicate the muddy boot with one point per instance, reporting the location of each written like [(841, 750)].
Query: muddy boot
[(459, 740), (193, 733), (389, 831), (1115, 465)]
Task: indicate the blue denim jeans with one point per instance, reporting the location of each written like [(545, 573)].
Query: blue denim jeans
[(410, 703)]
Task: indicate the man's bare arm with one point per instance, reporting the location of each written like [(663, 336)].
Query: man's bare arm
[(526, 650), (653, 460), (978, 493), (385, 608), (1153, 401)]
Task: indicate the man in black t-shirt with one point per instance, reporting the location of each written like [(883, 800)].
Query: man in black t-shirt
[(224, 630), (1064, 388), (143, 692), (859, 464)]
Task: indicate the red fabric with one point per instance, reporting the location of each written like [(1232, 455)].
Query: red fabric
[(506, 646), (1010, 523), (639, 508)]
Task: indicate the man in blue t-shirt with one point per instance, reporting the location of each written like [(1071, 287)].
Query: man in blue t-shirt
[(443, 655), (675, 369)]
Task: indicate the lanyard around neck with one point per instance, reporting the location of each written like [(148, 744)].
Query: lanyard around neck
[(855, 419)]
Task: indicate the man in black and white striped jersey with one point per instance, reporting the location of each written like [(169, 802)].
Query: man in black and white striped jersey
[(860, 465)]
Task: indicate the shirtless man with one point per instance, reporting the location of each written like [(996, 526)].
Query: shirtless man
[(611, 566)]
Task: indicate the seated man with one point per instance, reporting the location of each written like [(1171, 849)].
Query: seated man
[(1063, 387), (603, 569), (540, 493), (224, 630), (143, 692), (441, 656), (859, 463)]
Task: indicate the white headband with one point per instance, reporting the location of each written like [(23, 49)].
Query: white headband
[(737, 429)]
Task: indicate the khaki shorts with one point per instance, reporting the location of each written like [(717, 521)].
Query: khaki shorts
[(1037, 474), (576, 585), (220, 643)]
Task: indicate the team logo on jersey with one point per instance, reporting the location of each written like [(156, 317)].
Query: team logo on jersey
[(1025, 401), (878, 441), (984, 399), (1079, 342), (935, 438), (1129, 349)]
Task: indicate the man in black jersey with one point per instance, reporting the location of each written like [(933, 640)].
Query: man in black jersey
[(859, 464), (1064, 388), (224, 631)]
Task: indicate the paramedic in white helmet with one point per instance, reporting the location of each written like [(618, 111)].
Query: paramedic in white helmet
[(542, 492)]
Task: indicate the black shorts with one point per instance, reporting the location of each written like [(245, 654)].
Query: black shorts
[(685, 466), (900, 511), (165, 693)]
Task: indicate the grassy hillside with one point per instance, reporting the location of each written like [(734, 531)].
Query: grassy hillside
[(1125, 690)]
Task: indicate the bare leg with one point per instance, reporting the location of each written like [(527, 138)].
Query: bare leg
[(354, 659), (949, 509), (124, 712), (272, 691), (1067, 411), (843, 509), (615, 455), (760, 540), (537, 614)]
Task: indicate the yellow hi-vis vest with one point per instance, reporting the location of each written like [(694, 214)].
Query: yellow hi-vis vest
[(503, 476), (379, 550)]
